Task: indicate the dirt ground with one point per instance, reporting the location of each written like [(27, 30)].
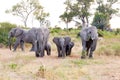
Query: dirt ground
[(25, 66)]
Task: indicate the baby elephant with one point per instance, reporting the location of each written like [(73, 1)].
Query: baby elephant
[(48, 49), (64, 45)]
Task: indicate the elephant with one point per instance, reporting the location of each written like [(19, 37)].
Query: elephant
[(48, 48), (89, 37), (69, 48), (41, 40), (64, 45), (23, 36)]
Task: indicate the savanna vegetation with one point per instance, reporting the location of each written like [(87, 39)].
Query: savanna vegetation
[(25, 66)]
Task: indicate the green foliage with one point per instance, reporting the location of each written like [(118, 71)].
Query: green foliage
[(100, 20), (13, 66), (76, 10), (40, 15), (117, 31), (41, 72), (106, 34), (24, 9), (5, 27), (104, 13), (55, 30)]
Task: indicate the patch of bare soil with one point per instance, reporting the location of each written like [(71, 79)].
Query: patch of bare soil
[(25, 66)]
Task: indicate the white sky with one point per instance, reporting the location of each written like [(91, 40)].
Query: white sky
[(54, 7)]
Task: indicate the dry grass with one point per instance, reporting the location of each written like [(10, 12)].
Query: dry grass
[(25, 66)]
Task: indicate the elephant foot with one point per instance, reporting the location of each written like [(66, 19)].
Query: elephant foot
[(59, 55), (41, 55), (32, 50), (36, 54), (90, 56), (83, 57), (67, 54), (48, 54), (14, 50)]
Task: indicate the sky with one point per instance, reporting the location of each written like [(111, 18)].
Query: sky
[(54, 7)]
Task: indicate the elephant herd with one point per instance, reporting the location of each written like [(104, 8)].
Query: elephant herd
[(38, 37)]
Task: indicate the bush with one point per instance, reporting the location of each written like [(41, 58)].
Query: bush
[(5, 27), (117, 31), (106, 34)]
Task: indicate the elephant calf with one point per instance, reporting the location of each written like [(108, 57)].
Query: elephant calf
[(48, 49), (89, 37), (64, 45)]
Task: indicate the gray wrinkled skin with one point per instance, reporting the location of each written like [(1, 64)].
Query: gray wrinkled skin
[(42, 35), (89, 37), (33, 36), (64, 45)]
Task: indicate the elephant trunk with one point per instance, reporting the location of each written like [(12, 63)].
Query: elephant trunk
[(9, 42)]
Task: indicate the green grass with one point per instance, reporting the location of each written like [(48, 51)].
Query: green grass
[(13, 66)]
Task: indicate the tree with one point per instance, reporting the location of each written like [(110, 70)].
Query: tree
[(100, 20), (24, 9), (78, 11), (104, 13), (40, 15), (67, 15)]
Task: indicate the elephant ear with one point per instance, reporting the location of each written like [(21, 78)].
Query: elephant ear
[(18, 32), (92, 32), (71, 44), (67, 40), (56, 40)]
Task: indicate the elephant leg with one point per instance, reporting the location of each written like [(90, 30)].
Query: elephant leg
[(36, 49), (87, 53), (67, 50), (37, 53), (92, 49), (59, 52), (83, 56), (42, 51), (16, 45), (22, 45), (32, 49), (48, 50), (63, 52)]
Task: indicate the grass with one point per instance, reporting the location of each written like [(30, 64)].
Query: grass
[(70, 68), (13, 66), (109, 47)]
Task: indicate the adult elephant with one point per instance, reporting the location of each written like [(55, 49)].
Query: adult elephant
[(42, 35), (23, 36), (89, 37), (64, 45), (18, 33)]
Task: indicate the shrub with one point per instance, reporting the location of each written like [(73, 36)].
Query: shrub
[(5, 27)]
